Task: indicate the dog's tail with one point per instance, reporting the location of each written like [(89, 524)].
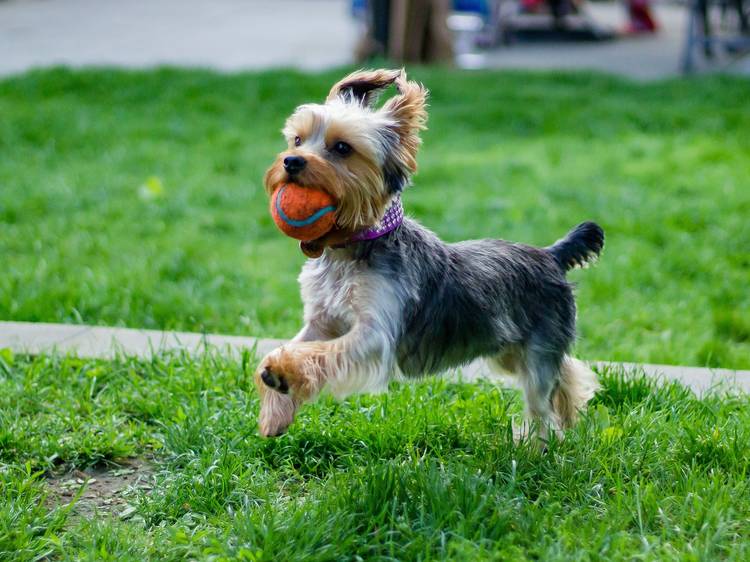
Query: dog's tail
[(580, 247)]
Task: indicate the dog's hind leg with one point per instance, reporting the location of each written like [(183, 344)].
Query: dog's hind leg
[(538, 373), (556, 388), (576, 387), (540, 379)]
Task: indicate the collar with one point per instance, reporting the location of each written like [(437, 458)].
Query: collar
[(392, 219)]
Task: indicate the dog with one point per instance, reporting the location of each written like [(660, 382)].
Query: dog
[(384, 297)]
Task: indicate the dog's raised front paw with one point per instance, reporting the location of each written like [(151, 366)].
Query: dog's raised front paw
[(273, 427), (274, 381), (276, 413)]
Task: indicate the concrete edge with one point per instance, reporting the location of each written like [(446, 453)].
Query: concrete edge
[(106, 343)]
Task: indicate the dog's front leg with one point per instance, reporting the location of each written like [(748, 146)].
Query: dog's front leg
[(300, 369), (277, 409)]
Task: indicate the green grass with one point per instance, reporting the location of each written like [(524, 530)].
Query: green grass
[(428, 471), (664, 167)]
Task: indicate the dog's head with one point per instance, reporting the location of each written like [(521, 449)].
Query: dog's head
[(360, 154)]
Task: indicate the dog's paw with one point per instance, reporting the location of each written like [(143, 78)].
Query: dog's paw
[(273, 427), (276, 414), (275, 381), (291, 369)]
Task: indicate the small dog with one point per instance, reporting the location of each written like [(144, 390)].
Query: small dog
[(384, 296)]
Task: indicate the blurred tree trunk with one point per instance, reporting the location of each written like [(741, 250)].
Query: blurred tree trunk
[(413, 31), (419, 31)]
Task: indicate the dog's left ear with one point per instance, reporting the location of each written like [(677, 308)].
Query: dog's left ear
[(408, 111), (363, 86)]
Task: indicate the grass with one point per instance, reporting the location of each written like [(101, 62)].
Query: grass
[(428, 471), (134, 198)]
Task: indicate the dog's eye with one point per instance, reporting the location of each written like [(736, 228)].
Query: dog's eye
[(342, 148), (297, 141)]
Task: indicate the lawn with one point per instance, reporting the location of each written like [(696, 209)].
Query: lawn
[(429, 471), (134, 198)]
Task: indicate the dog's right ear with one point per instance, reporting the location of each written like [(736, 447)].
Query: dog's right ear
[(363, 86)]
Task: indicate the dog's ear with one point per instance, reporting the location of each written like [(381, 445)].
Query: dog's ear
[(363, 86), (408, 111)]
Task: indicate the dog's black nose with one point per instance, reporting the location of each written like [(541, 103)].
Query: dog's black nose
[(294, 164)]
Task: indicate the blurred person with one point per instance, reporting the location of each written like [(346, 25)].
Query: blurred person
[(641, 20)]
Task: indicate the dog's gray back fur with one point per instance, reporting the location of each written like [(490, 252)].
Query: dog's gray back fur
[(470, 299)]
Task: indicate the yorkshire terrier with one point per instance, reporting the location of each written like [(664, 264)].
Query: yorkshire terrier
[(384, 297)]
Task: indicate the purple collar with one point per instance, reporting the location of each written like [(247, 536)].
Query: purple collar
[(392, 219)]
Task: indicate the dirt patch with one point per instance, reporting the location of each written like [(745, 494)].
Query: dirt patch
[(101, 489)]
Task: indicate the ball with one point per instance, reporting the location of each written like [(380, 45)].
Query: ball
[(303, 213)]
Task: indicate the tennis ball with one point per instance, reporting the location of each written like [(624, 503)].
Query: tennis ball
[(304, 213)]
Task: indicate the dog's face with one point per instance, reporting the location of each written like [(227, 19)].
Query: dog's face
[(359, 154)]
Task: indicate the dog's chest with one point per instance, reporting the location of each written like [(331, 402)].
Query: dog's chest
[(329, 290)]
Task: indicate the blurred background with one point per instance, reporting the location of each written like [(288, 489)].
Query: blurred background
[(639, 38), (134, 137)]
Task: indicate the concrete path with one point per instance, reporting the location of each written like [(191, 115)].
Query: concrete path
[(103, 342), (220, 34), (232, 35)]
